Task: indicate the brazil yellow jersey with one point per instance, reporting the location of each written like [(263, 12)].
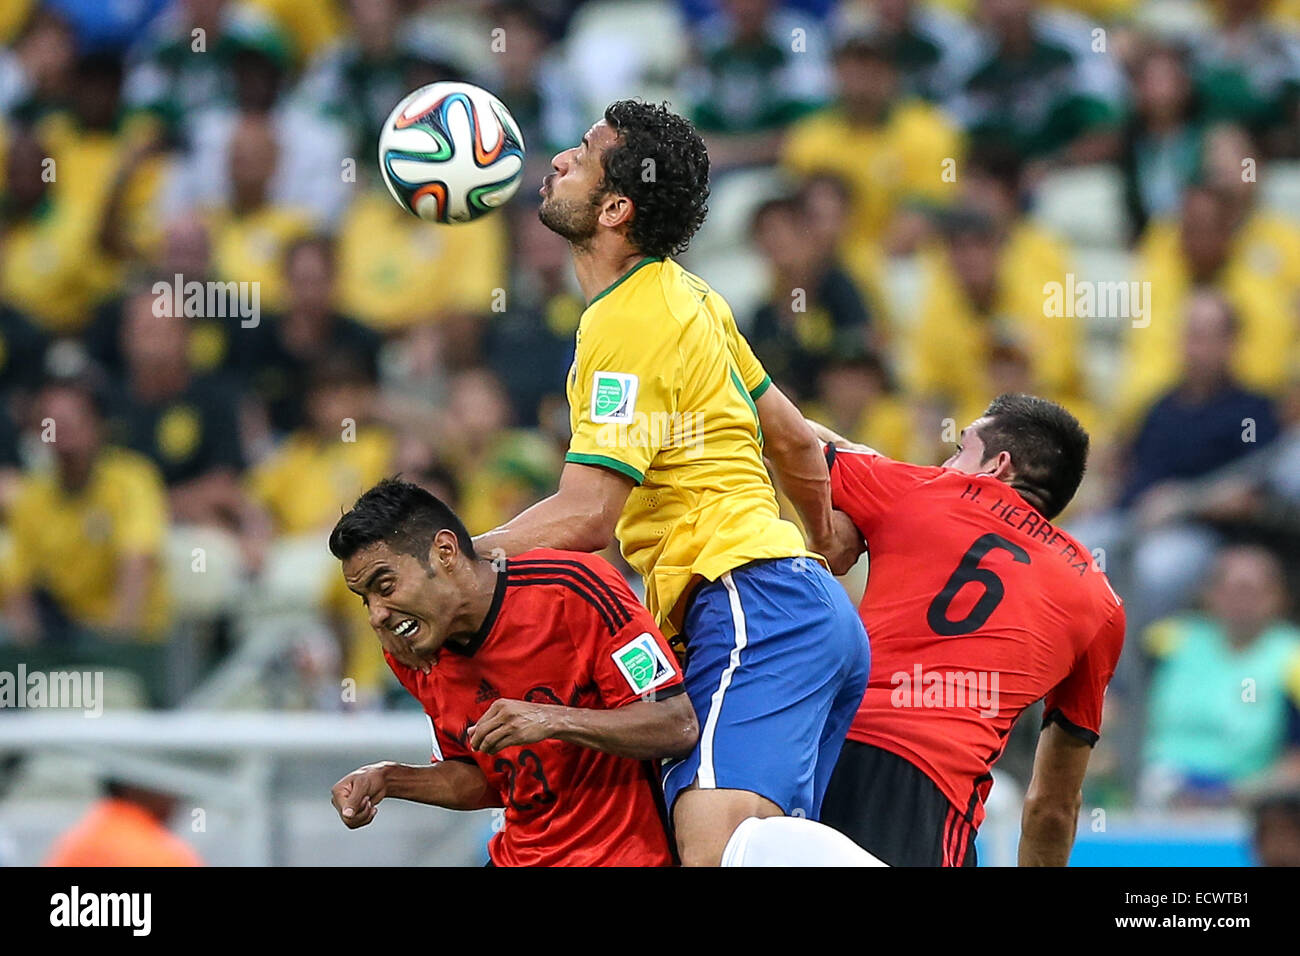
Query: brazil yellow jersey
[(662, 389), (72, 543)]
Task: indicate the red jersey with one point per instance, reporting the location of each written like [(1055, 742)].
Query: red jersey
[(564, 628), (976, 607)]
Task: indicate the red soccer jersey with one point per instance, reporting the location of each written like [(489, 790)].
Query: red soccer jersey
[(564, 628), (976, 607)]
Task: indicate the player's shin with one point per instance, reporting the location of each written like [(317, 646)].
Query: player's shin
[(792, 841)]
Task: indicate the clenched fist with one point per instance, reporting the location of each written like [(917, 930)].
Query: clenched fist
[(356, 797)]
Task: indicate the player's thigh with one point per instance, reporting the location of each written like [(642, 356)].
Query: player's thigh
[(704, 820)]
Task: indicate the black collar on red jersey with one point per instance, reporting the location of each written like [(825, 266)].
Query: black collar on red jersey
[(476, 641)]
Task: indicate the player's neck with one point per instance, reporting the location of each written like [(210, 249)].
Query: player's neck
[(479, 598), (602, 263)]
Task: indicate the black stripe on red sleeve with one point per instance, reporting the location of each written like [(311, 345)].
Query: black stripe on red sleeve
[(613, 604), (571, 585), (1074, 730)]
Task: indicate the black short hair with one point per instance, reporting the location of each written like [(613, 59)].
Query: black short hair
[(1048, 448), (402, 515), (671, 192)]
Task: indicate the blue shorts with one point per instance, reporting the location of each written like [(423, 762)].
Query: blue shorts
[(776, 666)]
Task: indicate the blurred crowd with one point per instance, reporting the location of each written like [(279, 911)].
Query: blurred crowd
[(217, 328)]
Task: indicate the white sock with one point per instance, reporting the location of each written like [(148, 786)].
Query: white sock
[(792, 841)]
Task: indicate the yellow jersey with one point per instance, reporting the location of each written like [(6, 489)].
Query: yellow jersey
[(309, 481), (72, 543), (662, 389)]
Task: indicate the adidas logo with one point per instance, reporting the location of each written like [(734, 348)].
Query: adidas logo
[(486, 692)]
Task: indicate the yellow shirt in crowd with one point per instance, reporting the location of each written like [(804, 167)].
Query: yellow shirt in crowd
[(952, 343), (250, 247), (419, 270), (899, 160), (308, 482), (1259, 280), (72, 543)]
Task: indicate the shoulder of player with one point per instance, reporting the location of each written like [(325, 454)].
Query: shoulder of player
[(587, 581), (655, 301)]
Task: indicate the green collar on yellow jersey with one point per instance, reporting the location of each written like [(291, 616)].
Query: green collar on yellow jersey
[(623, 278)]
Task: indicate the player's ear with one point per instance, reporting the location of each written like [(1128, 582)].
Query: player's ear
[(999, 466), (616, 211), (444, 549)]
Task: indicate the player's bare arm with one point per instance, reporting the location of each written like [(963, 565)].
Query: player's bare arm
[(453, 784), (580, 516), (645, 730), (796, 457), (1051, 812)]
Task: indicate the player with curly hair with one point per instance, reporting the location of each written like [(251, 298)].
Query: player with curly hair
[(672, 415)]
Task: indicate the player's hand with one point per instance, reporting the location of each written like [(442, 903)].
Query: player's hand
[(512, 723), (845, 546), (356, 797)]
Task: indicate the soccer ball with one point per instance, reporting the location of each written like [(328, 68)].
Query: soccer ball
[(451, 152)]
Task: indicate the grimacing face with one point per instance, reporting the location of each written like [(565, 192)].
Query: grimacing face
[(570, 195), (411, 606)]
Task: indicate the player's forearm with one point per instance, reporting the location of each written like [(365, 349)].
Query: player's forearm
[(646, 730), (801, 473), (453, 784), (554, 522), (1047, 832)]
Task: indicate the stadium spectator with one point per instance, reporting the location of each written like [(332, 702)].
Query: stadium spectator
[(128, 827), (1249, 69), (278, 353), (529, 347), (502, 469), (760, 68), (1207, 246), (1162, 138), (307, 164), (181, 66), (1224, 708), (45, 242), (531, 76), (889, 149), (1157, 549), (338, 449), (975, 299), (364, 76), (83, 574), (932, 48), (36, 71), (251, 232), (1040, 86), (857, 398), (813, 311), (215, 323)]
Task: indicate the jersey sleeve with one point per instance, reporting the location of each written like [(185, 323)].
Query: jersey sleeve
[(752, 374), (1075, 703), (444, 746), (865, 486), (628, 380), (631, 659)]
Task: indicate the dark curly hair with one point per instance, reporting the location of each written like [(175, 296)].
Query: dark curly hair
[(671, 193)]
